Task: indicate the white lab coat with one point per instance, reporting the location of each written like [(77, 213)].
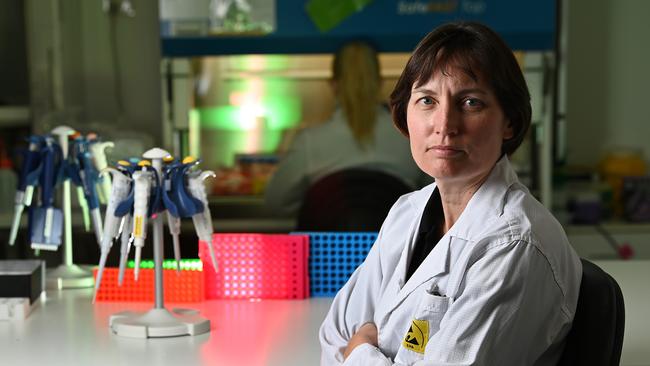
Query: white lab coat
[(499, 288), (320, 150)]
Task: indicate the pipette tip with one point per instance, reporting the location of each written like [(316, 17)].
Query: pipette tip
[(177, 254), (15, 224), (100, 271), (138, 252), (212, 256)]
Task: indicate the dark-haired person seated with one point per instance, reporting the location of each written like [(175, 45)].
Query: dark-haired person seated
[(470, 270)]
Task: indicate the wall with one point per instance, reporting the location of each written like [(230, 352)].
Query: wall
[(79, 76), (607, 75), (607, 78), (13, 71)]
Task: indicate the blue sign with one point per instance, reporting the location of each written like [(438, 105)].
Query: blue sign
[(390, 25)]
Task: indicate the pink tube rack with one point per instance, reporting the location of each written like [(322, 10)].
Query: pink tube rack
[(263, 266)]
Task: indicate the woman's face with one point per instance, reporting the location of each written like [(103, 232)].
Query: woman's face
[(456, 127)]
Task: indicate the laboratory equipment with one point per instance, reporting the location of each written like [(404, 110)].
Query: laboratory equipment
[(89, 177), (184, 196), (257, 266), (121, 188), (98, 153), (49, 162), (141, 187), (125, 210), (188, 286), (178, 189), (47, 219), (22, 281), (173, 219), (203, 220), (22, 278), (27, 179), (68, 274), (157, 322)]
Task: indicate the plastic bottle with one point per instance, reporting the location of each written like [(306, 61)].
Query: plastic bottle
[(617, 165)]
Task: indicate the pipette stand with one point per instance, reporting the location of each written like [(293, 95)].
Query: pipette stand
[(67, 275), (158, 322)]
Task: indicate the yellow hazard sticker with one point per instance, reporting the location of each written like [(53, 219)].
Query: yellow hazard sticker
[(417, 336), (137, 226)]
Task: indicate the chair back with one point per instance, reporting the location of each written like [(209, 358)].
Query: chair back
[(596, 337), (350, 200)]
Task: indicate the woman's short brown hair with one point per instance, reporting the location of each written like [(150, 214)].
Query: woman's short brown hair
[(477, 50)]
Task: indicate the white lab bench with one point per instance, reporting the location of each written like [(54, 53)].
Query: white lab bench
[(67, 329)]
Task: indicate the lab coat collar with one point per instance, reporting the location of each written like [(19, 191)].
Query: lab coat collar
[(487, 202), (502, 171), (434, 264)]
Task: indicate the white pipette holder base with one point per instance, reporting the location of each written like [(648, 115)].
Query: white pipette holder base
[(159, 323), (69, 276)]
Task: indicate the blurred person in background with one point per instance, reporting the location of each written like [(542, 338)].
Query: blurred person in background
[(360, 134)]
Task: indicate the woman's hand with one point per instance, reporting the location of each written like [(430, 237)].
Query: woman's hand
[(366, 334)]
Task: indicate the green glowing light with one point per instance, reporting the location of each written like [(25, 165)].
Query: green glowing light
[(283, 112), (280, 112), (258, 62), (185, 264), (218, 118), (254, 106)]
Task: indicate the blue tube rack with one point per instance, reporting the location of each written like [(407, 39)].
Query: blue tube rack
[(333, 257)]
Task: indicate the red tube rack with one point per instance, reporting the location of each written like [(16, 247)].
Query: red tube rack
[(188, 286), (264, 266)]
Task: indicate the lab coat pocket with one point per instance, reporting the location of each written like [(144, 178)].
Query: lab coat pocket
[(424, 323), (433, 308), (435, 303)]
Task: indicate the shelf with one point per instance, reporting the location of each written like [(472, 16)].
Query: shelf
[(388, 25), (14, 116)]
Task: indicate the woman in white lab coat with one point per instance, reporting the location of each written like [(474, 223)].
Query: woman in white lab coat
[(470, 270), (360, 134)]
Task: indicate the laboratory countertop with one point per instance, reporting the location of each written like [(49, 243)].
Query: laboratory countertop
[(66, 329)]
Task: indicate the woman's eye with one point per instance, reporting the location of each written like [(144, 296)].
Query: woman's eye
[(472, 103), (426, 100)]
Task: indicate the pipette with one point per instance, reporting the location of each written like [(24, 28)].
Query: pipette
[(125, 210), (48, 220), (120, 191), (75, 175), (142, 188), (89, 177), (98, 152), (173, 218), (85, 213), (125, 245), (202, 220), (174, 224), (27, 179)]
